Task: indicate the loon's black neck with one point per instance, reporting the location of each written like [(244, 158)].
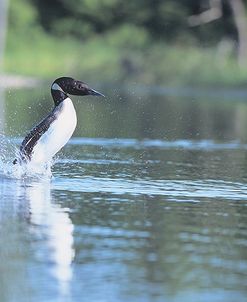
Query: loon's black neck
[(58, 96)]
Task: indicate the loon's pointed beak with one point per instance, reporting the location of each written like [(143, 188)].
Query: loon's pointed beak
[(94, 92), (80, 88)]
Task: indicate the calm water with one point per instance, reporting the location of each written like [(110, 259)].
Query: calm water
[(148, 202)]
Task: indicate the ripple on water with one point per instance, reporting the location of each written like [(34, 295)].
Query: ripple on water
[(157, 143), (178, 190)]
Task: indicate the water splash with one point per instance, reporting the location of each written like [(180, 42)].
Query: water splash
[(8, 152), (30, 170)]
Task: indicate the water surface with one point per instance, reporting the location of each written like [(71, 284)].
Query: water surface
[(147, 203)]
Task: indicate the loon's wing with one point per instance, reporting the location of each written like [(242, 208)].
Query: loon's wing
[(34, 135)]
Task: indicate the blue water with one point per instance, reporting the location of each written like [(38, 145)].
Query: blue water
[(147, 202), (127, 220)]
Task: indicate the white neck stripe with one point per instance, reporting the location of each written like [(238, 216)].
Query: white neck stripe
[(55, 86)]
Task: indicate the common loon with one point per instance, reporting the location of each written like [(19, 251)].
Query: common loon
[(53, 132)]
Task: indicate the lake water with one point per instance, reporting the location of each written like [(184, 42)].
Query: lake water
[(148, 201)]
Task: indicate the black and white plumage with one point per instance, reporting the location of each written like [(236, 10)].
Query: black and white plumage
[(54, 131)]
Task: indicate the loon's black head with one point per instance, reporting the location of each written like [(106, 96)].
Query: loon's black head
[(66, 85)]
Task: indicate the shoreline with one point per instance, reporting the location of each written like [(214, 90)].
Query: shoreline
[(18, 81)]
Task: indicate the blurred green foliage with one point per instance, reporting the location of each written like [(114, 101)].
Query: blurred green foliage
[(162, 20), (23, 17), (147, 41)]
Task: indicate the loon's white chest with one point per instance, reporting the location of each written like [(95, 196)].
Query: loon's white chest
[(59, 132)]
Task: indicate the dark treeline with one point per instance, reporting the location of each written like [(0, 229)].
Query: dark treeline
[(162, 20)]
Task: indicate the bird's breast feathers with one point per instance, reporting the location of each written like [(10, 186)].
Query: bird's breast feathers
[(57, 135)]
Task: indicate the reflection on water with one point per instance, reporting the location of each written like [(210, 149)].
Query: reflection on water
[(30, 204), (133, 115), (57, 228), (158, 216)]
